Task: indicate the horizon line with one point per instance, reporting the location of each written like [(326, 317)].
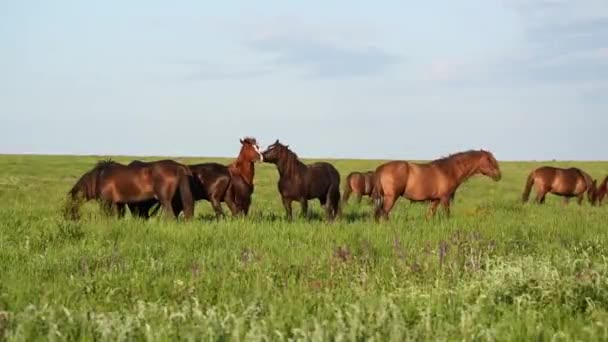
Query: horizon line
[(32, 154)]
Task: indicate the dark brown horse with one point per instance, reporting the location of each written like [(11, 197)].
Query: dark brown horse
[(358, 183), (115, 185), (301, 182), (601, 192), (436, 181), (571, 182), (217, 183)]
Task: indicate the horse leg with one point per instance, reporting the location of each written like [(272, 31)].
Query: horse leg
[(432, 209), (387, 206), (359, 197), (346, 196), (579, 198), (540, 196), (120, 210), (304, 206), (216, 203), (230, 202), (333, 203), (566, 201), (106, 208), (445, 201), (287, 205), (168, 208)]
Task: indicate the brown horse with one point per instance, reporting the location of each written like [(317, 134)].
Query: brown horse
[(217, 183), (601, 192), (301, 182), (358, 183), (115, 185), (571, 182), (436, 181)]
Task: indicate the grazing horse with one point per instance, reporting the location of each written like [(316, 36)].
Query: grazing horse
[(601, 191), (301, 182), (217, 183), (115, 185), (358, 183), (436, 181), (571, 182)]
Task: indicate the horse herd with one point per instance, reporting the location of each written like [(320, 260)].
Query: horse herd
[(145, 187)]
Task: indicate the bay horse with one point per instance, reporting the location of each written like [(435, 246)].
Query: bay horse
[(301, 182), (565, 182), (602, 190), (436, 181), (217, 183), (358, 183), (115, 185)]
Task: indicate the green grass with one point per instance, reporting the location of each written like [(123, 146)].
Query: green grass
[(497, 270)]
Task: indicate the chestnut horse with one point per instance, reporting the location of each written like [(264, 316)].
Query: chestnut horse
[(571, 182), (301, 182), (436, 181), (358, 183), (115, 185), (217, 183), (601, 191)]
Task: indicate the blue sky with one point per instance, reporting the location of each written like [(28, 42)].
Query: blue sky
[(526, 79)]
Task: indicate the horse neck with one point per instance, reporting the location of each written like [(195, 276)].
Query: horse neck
[(588, 179), (604, 184), (460, 168), (290, 165), (86, 186)]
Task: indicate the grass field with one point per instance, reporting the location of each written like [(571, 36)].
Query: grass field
[(497, 270)]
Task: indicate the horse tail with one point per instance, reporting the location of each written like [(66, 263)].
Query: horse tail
[(529, 182), (334, 195), (602, 190), (377, 191), (185, 192), (347, 189)]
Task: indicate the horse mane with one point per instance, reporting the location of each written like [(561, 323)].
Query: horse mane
[(104, 163), (588, 180), (290, 159), (249, 140), (458, 157)]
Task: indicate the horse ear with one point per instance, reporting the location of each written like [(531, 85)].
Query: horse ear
[(241, 140), (276, 141)]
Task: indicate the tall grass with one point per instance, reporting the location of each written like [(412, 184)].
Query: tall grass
[(497, 270)]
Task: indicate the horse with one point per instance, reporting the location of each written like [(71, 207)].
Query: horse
[(601, 192), (362, 184), (570, 182), (358, 183), (301, 182), (436, 181), (115, 185), (217, 183)]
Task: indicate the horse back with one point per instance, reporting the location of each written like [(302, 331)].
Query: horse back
[(319, 178), (560, 180), (209, 178)]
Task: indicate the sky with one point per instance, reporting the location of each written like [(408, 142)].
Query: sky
[(525, 79)]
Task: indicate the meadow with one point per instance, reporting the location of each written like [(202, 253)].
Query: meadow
[(496, 270)]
